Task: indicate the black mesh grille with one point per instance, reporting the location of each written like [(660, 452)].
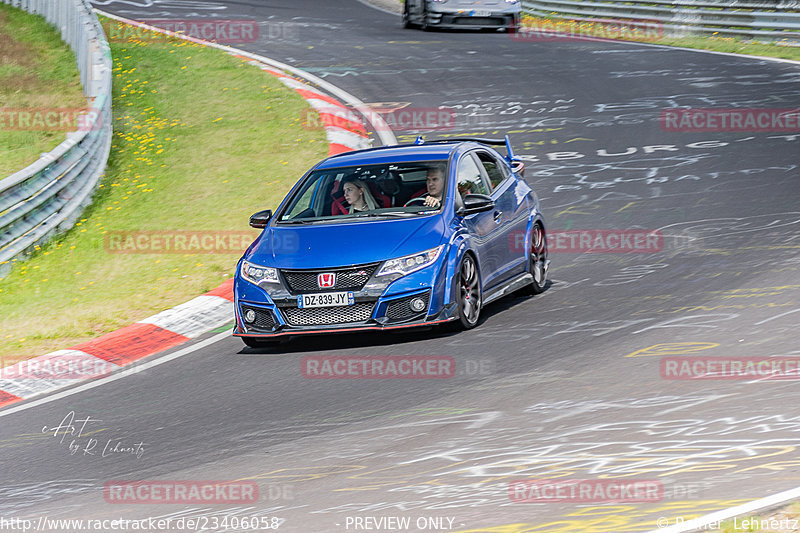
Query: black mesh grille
[(264, 319), (347, 279), (400, 309), (317, 316), (480, 21)]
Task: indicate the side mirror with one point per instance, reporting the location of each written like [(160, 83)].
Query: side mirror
[(261, 219), (475, 203)]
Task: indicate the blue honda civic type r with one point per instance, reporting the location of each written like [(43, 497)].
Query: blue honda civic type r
[(392, 237)]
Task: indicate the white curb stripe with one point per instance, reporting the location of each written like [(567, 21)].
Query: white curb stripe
[(64, 362), (299, 85), (346, 138), (326, 107), (195, 317), (27, 388)]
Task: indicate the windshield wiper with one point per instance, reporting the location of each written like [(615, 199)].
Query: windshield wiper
[(402, 214), (299, 221)]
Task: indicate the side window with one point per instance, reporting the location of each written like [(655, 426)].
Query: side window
[(494, 170), (469, 179)]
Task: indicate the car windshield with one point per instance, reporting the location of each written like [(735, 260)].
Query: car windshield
[(383, 191)]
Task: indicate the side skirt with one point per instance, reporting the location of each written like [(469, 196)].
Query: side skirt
[(516, 283)]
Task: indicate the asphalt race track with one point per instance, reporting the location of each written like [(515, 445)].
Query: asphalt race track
[(566, 384)]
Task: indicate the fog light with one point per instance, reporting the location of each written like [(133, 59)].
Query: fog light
[(417, 305), (249, 316)]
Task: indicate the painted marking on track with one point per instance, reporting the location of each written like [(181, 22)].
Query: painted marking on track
[(625, 207), (602, 519), (777, 316), (578, 210), (673, 348)]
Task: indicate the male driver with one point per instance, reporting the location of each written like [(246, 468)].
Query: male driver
[(435, 182)]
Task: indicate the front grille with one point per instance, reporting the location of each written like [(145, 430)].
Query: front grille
[(347, 279), (264, 319), (318, 316), (400, 310), (480, 21)]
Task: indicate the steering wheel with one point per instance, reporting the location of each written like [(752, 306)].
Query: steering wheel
[(418, 200), (421, 200)]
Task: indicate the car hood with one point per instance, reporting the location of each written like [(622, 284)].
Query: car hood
[(351, 243)]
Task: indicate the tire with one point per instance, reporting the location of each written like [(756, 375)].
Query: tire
[(469, 298), (537, 261), (406, 17), (424, 24), (252, 342), (513, 26)]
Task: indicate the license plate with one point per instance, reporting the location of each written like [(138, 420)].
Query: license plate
[(325, 299), (481, 13)]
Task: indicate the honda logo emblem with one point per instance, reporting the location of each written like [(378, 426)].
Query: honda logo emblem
[(326, 280)]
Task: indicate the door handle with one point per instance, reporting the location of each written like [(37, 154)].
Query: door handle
[(497, 216)]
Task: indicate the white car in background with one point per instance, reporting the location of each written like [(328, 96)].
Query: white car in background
[(481, 14)]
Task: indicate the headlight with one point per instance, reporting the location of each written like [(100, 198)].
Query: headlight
[(403, 266), (256, 274), (512, 1)]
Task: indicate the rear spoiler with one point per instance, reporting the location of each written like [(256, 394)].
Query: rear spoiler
[(512, 159)]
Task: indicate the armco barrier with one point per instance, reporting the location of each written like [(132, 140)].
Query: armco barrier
[(48, 196), (761, 19)]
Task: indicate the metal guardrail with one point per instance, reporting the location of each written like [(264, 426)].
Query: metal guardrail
[(48, 196), (779, 19)]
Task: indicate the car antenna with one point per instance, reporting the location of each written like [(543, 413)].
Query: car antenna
[(419, 140)]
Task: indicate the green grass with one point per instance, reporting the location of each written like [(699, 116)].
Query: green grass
[(37, 70), (202, 140), (735, 46)]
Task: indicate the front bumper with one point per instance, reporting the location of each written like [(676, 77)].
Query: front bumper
[(268, 322), (468, 19), (261, 314)]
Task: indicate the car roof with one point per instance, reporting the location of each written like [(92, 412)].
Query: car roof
[(434, 151)]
